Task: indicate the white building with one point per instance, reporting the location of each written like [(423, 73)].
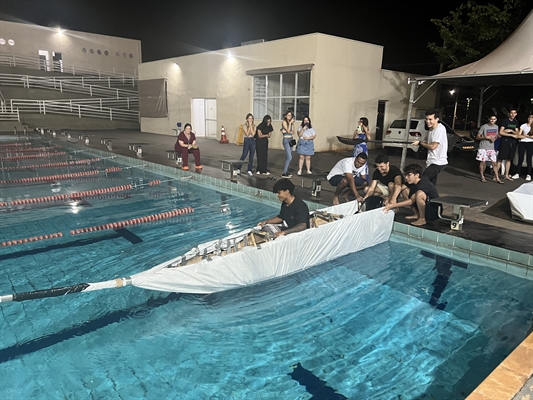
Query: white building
[(61, 50), (333, 80)]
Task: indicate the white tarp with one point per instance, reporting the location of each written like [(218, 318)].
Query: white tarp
[(283, 256), (521, 201)]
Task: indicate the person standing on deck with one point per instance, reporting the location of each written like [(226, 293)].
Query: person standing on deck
[(249, 143), (436, 144), (509, 132)]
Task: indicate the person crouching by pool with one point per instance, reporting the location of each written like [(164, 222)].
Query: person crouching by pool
[(386, 182), (349, 173), (186, 144), (421, 190), (294, 213)]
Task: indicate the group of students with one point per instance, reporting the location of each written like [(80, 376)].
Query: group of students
[(256, 142), (498, 144)]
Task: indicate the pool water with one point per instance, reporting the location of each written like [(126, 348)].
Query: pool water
[(392, 321)]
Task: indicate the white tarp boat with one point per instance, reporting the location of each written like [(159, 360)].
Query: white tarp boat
[(251, 264), (521, 201)]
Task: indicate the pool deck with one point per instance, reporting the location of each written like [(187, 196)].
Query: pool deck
[(491, 225)]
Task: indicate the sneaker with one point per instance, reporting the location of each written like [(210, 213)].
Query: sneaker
[(266, 173), (198, 167), (309, 172), (515, 176), (238, 171), (257, 173), (299, 173), (287, 176), (250, 173), (528, 177)]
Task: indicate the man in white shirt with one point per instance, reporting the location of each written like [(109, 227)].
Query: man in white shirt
[(437, 145), (349, 172)]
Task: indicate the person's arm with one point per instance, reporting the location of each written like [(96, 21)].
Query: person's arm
[(509, 132), (424, 143), (351, 182), (302, 226), (405, 203), (371, 189), (273, 220), (181, 142), (368, 136), (301, 131), (284, 127), (312, 137), (260, 134), (396, 192)]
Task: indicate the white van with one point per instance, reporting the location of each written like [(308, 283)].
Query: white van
[(419, 131)]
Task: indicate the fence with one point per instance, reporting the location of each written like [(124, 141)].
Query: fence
[(73, 85), (13, 60)]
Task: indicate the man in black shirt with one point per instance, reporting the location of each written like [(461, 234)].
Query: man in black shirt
[(509, 132), (421, 190), (293, 211), (386, 181)]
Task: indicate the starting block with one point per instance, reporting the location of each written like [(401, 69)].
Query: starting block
[(459, 204)]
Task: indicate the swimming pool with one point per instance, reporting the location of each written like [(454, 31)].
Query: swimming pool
[(390, 321)]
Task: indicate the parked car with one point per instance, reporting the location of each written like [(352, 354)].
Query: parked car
[(419, 131)]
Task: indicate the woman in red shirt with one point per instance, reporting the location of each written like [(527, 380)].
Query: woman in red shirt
[(187, 144)]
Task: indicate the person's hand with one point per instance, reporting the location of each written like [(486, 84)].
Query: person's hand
[(261, 223), (416, 142), (278, 234)]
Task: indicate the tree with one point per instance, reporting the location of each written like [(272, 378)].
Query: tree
[(472, 31)]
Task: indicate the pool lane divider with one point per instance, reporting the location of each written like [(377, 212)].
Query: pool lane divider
[(29, 150), (53, 178), (25, 144), (119, 226), (34, 156), (75, 196), (134, 221), (54, 165), (31, 239)]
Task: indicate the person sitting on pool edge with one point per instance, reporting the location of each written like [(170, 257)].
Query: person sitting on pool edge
[(421, 190), (386, 182), (294, 212)]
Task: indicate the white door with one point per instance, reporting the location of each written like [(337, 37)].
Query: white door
[(204, 117), (198, 117), (44, 60)]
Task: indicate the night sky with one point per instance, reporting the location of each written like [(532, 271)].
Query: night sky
[(169, 28)]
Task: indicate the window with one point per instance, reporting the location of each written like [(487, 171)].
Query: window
[(277, 93)]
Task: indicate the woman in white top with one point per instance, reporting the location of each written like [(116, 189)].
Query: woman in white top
[(525, 146), (306, 144)]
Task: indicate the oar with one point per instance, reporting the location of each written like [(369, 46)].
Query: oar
[(357, 141), (61, 291)]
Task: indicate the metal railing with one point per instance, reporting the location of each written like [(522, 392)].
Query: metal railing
[(126, 103), (80, 110), (10, 115), (73, 85), (14, 60)]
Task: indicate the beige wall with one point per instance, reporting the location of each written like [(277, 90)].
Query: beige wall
[(346, 83), (29, 39)]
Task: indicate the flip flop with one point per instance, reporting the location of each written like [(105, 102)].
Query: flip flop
[(483, 180)]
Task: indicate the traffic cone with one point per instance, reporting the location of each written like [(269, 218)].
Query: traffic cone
[(223, 138)]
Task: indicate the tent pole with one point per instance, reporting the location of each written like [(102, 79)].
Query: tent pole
[(480, 111), (414, 84)]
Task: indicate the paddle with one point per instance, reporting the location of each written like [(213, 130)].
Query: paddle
[(357, 141)]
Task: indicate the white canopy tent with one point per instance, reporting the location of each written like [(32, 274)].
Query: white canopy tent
[(511, 63)]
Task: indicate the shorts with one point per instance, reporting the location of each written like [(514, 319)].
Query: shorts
[(507, 148), (384, 188), (335, 180), (487, 155)]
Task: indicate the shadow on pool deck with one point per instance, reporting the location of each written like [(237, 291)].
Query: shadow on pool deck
[(490, 225)]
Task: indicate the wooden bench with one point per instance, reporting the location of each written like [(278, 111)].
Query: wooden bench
[(459, 204), (229, 166), (175, 155)]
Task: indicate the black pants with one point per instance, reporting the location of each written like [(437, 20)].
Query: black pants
[(523, 149), (261, 150), (432, 172)]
